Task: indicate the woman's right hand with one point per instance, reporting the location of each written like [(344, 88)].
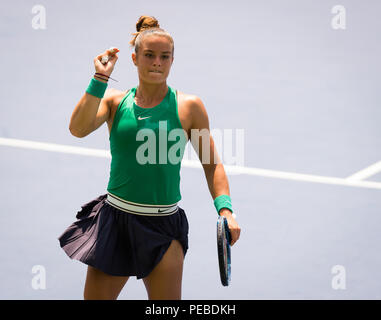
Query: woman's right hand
[(108, 67)]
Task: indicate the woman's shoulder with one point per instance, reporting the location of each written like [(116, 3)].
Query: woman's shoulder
[(112, 92), (187, 98), (192, 110), (114, 96)]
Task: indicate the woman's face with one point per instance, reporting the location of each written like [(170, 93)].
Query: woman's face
[(154, 59)]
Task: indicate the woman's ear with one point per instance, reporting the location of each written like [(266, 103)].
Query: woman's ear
[(134, 58)]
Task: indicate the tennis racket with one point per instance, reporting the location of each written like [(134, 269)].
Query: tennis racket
[(223, 248)]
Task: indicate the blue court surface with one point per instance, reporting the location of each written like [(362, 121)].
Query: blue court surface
[(299, 79)]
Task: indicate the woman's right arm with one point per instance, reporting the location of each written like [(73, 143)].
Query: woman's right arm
[(91, 112)]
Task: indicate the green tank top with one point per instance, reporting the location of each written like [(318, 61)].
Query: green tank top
[(147, 146)]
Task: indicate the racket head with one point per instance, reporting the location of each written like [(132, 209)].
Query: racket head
[(223, 248)]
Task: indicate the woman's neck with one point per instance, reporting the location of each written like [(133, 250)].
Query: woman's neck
[(150, 93)]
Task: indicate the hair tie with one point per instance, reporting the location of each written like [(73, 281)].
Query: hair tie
[(108, 77)]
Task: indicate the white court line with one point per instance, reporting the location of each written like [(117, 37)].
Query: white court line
[(366, 173), (54, 147), (229, 169)]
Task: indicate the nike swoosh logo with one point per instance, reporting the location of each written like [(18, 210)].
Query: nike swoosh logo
[(140, 118), (160, 211)]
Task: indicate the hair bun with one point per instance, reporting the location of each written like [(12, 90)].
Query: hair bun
[(146, 22), (147, 25)]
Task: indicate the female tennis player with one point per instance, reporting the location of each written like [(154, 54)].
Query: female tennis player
[(137, 228)]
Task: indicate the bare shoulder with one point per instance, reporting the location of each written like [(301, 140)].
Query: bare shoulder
[(189, 99), (114, 96), (194, 108), (190, 103)]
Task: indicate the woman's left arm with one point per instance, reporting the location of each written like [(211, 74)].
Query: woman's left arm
[(204, 146)]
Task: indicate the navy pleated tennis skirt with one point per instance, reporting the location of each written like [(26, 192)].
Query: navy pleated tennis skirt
[(120, 243)]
